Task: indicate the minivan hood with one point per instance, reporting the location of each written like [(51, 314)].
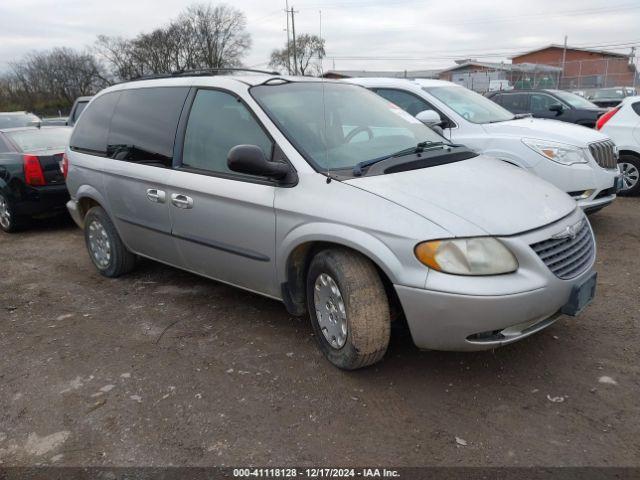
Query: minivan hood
[(479, 196), (545, 129)]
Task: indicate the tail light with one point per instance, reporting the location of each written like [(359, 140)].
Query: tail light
[(64, 166), (606, 117), (33, 171)]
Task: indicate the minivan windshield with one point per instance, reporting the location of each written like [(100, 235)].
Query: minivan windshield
[(576, 101), (337, 126), (470, 105)]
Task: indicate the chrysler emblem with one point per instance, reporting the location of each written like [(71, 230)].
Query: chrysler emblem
[(570, 231)]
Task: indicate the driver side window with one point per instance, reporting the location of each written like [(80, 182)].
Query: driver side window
[(411, 104), (541, 102)]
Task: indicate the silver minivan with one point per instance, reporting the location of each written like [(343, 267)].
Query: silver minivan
[(332, 200)]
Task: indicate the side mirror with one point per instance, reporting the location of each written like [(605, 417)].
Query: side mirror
[(556, 107), (429, 117), (250, 159)]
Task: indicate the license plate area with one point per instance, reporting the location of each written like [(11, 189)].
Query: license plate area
[(581, 296)]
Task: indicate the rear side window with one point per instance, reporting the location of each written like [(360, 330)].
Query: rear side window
[(636, 107), (514, 102), (143, 128), (218, 122), (90, 134)]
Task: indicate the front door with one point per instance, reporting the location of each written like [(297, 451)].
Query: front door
[(223, 222)]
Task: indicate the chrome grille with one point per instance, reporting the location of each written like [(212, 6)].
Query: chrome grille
[(604, 153), (568, 254)]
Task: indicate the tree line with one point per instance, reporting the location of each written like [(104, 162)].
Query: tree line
[(203, 36)]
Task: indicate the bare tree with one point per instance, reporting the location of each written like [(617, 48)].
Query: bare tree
[(309, 49), (51, 80), (203, 36)]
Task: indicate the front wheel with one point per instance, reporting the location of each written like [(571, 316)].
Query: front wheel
[(106, 250), (629, 167), (349, 308)]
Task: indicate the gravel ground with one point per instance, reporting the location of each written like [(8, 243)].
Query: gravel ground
[(162, 367)]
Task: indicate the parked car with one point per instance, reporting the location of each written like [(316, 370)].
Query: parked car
[(31, 183), (553, 104), (608, 97), (78, 107), (579, 161), (622, 124), (18, 119), (324, 196)]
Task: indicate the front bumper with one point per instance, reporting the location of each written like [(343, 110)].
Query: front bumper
[(477, 313)]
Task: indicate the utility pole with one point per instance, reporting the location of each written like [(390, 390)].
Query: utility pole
[(286, 9), (564, 58), (293, 29), (634, 67)]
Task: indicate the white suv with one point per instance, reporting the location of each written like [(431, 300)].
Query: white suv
[(578, 160), (622, 123)]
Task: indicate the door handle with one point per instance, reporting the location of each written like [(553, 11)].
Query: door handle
[(181, 201), (155, 195)]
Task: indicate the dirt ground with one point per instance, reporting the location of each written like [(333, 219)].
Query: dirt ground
[(162, 367)]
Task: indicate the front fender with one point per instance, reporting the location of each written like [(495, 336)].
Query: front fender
[(353, 238)]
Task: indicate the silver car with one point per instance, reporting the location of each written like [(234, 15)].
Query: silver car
[(332, 200)]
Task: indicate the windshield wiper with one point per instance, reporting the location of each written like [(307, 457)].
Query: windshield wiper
[(419, 148)]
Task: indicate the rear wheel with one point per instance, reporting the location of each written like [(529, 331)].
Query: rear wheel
[(106, 250), (630, 169), (9, 221), (349, 308)]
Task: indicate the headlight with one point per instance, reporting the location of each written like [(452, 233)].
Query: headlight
[(558, 152), (467, 256)]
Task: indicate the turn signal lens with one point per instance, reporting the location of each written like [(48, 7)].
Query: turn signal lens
[(467, 256)]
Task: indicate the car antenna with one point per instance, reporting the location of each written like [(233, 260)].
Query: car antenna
[(324, 107)]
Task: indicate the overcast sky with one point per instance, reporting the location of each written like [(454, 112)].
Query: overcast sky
[(359, 34)]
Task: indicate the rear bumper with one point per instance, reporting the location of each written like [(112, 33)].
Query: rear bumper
[(49, 199), (74, 211)]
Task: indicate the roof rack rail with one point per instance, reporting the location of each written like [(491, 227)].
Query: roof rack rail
[(200, 72)]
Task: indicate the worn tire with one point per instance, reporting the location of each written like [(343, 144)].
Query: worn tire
[(366, 304), (121, 260), (15, 223), (635, 161)]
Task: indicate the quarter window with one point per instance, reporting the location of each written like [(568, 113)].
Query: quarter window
[(636, 107), (144, 125), (218, 122), (90, 134)]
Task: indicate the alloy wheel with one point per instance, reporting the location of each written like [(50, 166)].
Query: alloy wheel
[(5, 213), (630, 175)]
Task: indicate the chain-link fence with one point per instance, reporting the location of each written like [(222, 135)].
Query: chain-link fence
[(573, 75)]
